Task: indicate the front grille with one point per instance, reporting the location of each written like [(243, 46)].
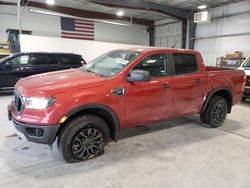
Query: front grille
[(18, 103), (248, 81)]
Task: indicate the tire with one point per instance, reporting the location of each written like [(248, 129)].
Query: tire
[(215, 112), (83, 138), (243, 98)]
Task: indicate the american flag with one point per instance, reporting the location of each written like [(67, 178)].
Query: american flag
[(77, 28)]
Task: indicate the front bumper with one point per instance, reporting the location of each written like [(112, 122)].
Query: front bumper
[(35, 133)]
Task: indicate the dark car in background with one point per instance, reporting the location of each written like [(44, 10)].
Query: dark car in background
[(20, 65)]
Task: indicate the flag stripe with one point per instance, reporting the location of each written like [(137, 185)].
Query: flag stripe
[(77, 34), (85, 30), (81, 20), (82, 38), (83, 26), (85, 23)]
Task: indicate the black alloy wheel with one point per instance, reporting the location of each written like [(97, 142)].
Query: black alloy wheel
[(83, 138), (218, 112), (215, 112), (87, 143)]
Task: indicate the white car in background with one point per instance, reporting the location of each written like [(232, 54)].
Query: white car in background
[(246, 67)]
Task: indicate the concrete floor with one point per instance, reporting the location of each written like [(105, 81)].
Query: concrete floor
[(179, 153)]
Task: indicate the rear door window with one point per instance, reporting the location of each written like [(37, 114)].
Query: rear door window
[(43, 59), (70, 60), (185, 63)]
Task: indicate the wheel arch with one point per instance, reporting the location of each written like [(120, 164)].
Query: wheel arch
[(223, 92), (103, 111)]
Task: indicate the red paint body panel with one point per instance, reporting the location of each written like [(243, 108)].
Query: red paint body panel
[(144, 102)]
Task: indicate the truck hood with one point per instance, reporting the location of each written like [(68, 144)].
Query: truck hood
[(49, 84)]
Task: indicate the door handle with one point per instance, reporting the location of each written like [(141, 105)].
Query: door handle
[(198, 81), (165, 86)]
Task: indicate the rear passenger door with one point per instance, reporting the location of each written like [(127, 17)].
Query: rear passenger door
[(188, 83), (68, 61), (44, 63)]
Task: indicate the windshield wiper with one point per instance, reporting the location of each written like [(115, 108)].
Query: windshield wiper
[(100, 74), (87, 70)]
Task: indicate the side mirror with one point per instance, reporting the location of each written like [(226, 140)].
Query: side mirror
[(7, 65), (139, 76)]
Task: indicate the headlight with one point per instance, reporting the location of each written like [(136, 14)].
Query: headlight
[(38, 102)]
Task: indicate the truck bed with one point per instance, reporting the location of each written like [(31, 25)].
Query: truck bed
[(212, 69), (227, 78)]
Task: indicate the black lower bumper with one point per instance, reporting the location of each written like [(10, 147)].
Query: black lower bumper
[(34, 133), (38, 134), (247, 91)]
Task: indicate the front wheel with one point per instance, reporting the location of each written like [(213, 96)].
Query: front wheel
[(83, 138), (216, 112)]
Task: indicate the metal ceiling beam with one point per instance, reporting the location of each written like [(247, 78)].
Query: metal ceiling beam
[(178, 13), (86, 13), (7, 3)]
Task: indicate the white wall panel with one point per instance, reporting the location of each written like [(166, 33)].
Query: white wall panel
[(119, 34), (46, 25), (168, 35), (218, 46), (88, 49), (232, 8)]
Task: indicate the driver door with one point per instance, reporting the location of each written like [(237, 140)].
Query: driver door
[(149, 101)]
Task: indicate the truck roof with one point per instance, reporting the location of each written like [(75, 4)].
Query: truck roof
[(155, 49)]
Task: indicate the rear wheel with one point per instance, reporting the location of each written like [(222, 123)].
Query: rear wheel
[(83, 138), (216, 112), (243, 98)]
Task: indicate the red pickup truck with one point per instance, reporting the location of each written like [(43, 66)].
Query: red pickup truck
[(85, 108)]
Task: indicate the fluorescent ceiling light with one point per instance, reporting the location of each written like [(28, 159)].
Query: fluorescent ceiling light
[(201, 7), (120, 13), (41, 11), (44, 12), (50, 2)]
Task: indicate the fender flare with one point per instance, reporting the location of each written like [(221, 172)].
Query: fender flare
[(208, 97), (108, 109)]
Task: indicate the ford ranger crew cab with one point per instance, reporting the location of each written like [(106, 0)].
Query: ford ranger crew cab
[(84, 108)]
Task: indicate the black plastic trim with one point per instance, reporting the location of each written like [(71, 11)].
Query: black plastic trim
[(48, 136), (212, 93), (99, 106)]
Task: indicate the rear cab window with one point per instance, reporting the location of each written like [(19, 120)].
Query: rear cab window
[(185, 63)]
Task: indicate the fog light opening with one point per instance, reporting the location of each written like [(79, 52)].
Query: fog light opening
[(35, 132)]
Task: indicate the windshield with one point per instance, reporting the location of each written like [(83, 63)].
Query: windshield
[(247, 62), (7, 57), (111, 63)]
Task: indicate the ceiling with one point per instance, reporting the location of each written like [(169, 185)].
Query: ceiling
[(87, 5), (136, 13), (192, 4)]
